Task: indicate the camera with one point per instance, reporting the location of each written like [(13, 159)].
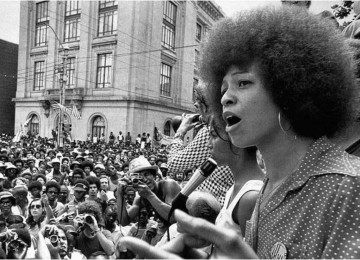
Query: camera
[(54, 240), (89, 220)]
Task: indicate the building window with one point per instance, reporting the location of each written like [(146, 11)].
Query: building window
[(107, 18), (168, 27), (197, 59), (165, 80), (72, 21), (198, 31), (98, 127), (70, 72), (104, 64), (41, 23), (34, 125), (107, 3), (167, 128), (39, 75), (195, 83), (72, 8)]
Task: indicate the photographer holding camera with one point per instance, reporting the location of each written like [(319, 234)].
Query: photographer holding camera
[(91, 239), (152, 195), (57, 241)]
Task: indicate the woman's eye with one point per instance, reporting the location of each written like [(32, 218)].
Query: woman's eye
[(243, 83)]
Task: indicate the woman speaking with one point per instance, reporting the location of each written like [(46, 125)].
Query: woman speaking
[(283, 82)]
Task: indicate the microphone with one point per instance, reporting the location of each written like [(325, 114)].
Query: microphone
[(199, 176)]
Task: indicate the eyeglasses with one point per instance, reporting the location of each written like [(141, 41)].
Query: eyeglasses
[(52, 192), (38, 206), (3, 202)]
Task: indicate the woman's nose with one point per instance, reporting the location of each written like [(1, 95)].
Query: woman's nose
[(227, 99)]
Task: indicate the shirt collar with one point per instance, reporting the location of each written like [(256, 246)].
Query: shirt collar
[(323, 157)]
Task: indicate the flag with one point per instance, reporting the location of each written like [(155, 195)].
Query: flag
[(75, 112), (27, 122), (17, 136), (56, 105), (71, 111)]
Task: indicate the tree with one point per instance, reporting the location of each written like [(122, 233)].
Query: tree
[(343, 10)]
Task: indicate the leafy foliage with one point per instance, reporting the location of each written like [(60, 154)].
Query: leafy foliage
[(343, 10)]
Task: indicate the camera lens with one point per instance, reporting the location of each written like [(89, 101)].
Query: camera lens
[(135, 181), (54, 239), (89, 220)]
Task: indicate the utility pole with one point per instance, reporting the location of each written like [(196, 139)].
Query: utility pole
[(63, 82), (62, 100)]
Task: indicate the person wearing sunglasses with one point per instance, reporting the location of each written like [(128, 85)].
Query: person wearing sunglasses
[(40, 214), (7, 201)]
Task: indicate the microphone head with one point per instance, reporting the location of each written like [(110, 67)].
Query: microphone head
[(208, 167)]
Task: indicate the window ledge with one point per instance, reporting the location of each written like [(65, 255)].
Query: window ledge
[(39, 50), (105, 40), (166, 97), (73, 45)]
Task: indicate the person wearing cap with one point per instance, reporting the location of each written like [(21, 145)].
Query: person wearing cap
[(30, 165), (99, 169), (55, 172), (80, 158), (74, 164), (81, 189), (152, 195), (20, 193), (7, 201), (11, 174), (164, 169)]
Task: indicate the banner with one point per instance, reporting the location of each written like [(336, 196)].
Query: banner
[(71, 111), (75, 112)]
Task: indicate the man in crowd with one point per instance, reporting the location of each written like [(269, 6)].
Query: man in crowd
[(153, 195)]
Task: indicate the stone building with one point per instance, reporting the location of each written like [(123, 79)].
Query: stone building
[(130, 65), (8, 74)]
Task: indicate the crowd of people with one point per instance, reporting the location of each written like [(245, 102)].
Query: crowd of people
[(83, 197), (276, 113)]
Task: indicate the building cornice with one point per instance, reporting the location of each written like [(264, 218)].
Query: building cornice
[(121, 99), (213, 10)]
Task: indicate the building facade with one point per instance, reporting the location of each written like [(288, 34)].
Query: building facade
[(8, 74), (129, 65)]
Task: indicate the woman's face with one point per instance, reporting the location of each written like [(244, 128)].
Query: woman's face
[(36, 209), (250, 114), (220, 149)]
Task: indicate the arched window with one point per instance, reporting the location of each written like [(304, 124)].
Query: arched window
[(98, 126), (167, 128), (34, 125)]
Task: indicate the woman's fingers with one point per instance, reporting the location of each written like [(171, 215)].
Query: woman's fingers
[(143, 249), (203, 229)]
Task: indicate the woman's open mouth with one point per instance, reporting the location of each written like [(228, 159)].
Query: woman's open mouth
[(232, 120)]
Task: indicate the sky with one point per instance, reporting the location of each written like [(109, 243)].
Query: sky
[(10, 13)]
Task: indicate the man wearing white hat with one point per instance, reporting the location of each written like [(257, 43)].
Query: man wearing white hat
[(55, 172), (152, 195)]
